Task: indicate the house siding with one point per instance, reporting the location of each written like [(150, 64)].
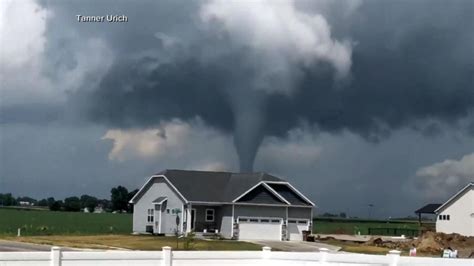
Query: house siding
[(159, 188), (260, 194), (461, 216), (260, 211), (299, 213)]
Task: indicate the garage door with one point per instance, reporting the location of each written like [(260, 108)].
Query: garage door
[(296, 228), (259, 228)]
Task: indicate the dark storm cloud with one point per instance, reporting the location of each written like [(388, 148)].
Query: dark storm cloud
[(411, 62)]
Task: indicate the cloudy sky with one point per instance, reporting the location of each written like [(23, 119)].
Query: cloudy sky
[(354, 102)]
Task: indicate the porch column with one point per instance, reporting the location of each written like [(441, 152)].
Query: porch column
[(188, 218), (182, 219)]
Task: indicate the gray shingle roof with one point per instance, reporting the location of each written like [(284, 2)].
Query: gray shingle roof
[(160, 199), (225, 187), (214, 186)]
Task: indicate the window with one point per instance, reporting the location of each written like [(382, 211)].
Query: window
[(302, 222), (254, 220), (264, 220), (209, 215), (447, 217), (243, 220), (440, 217), (168, 211), (150, 216), (275, 221)]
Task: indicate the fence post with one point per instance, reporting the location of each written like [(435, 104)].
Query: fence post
[(55, 256), (266, 252), (167, 256), (394, 256), (324, 255)]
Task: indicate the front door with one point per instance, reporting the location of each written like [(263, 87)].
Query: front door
[(193, 218)]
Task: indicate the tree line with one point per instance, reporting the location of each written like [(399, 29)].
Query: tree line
[(118, 202)]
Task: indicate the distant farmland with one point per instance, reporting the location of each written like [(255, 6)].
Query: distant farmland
[(353, 226), (35, 222), (43, 222)]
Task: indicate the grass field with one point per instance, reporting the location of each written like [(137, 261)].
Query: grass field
[(139, 242), (36, 222), (353, 226)]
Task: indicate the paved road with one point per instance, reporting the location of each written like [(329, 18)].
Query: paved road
[(297, 246), (19, 246)]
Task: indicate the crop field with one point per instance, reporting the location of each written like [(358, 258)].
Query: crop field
[(354, 226), (36, 222)]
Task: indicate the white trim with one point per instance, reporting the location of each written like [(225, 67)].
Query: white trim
[(132, 201), (260, 218), (276, 182), (159, 228), (210, 203), (217, 204), (286, 223), (143, 186), (250, 189), (265, 186), (182, 218), (213, 215), (276, 193), (299, 219), (272, 205), (453, 197), (188, 218), (300, 194), (232, 223), (161, 202), (148, 215)]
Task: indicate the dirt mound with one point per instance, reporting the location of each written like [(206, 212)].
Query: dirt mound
[(435, 242), (375, 241), (431, 243)]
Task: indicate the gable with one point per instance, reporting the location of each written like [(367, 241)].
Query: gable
[(292, 197), (225, 187), (466, 190), (260, 195), (150, 183)]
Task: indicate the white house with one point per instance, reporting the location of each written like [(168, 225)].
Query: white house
[(457, 214), (235, 205)]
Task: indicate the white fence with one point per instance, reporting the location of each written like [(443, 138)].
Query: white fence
[(166, 257)]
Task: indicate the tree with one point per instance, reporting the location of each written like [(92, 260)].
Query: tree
[(119, 198), (56, 205), (89, 202), (51, 201), (7, 200), (343, 215), (43, 203), (131, 194), (72, 204)]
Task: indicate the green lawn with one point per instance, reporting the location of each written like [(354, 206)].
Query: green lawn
[(36, 222), (352, 226)]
